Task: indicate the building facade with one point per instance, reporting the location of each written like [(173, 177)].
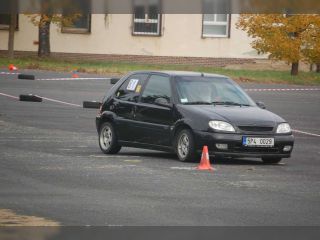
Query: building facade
[(206, 39)]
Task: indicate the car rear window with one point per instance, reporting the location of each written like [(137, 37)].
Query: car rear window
[(130, 90)]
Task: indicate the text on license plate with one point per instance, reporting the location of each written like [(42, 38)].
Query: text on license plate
[(257, 142)]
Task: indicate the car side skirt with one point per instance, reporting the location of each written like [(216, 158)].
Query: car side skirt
[(146, 146)]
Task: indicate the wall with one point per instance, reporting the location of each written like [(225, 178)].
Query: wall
[(181, 37)]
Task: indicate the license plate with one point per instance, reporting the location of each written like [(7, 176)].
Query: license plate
[(257, 142)]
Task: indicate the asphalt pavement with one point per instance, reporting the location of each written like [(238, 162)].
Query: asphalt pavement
[(51, 165)]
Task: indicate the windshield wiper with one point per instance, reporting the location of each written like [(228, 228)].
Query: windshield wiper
[(198, 103), (231, 103), (216, 103)]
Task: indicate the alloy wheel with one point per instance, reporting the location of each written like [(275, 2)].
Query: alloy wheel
[(183, 145), (106, 137)]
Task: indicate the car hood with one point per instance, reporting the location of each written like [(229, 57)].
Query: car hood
[(240, 116)]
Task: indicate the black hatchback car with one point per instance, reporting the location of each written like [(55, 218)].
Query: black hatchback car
[(183, 111)]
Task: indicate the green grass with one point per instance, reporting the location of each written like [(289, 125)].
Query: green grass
[(121, 68)]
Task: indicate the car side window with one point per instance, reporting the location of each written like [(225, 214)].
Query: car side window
[(157, 87), (130, 90)]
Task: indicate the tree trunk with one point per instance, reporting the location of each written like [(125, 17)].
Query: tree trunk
[(318, 68), (12, 28), (311, 67), (295, 68), (44, 38)]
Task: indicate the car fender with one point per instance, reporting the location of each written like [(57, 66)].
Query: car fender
[(183, 123), (106, 116)]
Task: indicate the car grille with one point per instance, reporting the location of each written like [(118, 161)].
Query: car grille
[(255, 129), (238, 148), (255, 150)]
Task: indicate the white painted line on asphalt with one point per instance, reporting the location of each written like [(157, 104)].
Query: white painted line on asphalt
[(48, 99), (9, 73), (58, 101), (306, 133), (70, 79), (184, 168), (280, 89), (133, 161), (188, 168), (110, 166), (9, 96)]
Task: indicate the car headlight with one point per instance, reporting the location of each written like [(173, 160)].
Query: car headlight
[(221, 126), (284, 128)]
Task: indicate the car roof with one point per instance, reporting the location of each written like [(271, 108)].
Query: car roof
[(184, 73)]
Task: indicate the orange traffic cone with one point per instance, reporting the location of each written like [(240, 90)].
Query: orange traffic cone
[(12, 68), (205, 161), (75, 74)]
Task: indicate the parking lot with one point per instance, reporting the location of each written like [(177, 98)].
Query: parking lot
[(51, 165)]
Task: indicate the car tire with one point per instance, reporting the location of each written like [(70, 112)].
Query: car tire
[(271, 160), (185, 147), (108, 140)]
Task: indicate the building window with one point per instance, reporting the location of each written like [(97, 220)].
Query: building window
[(77, 17), (216, 25), (147, 20), (81, 24), (5, 20)]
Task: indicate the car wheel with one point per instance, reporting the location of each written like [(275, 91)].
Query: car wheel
[(184, 146), (108, 141), (271, 160)]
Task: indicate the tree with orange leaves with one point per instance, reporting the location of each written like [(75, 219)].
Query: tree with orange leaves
[(283, 37), (311, 48)]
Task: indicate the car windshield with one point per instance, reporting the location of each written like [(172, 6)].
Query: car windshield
[(211, 90)]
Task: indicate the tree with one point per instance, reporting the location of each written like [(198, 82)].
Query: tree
[(51, 13), (43, 22), (12, 27), (311, 49), (281, 36)]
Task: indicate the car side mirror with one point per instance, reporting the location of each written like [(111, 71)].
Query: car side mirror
[(261, 105), (162, 102), (114, 80)]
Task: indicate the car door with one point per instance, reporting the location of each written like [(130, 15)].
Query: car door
[(124, 102), (154, 120)]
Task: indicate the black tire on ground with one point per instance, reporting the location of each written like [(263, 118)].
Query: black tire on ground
[(26, 77), (108, 140), (271, 160), (30, 98), (91, 104), (186, 152)]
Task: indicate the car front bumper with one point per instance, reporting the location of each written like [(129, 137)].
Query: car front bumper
[(236, 149)]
